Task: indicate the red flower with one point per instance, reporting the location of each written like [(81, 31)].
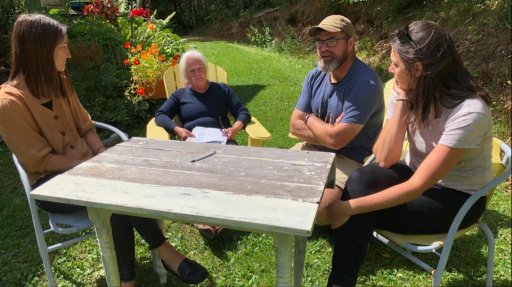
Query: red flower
[(86, 9), (126, 62), (127, 45), (140, 91), (140, 12), (175, 60), (136, 62)]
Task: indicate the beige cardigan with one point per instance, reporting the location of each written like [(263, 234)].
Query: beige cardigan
[(35, 133)]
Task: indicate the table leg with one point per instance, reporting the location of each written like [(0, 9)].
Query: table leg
[(283, 244), (101, 220), (300, 256)]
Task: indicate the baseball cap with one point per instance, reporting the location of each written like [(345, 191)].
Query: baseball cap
[(333, 23)]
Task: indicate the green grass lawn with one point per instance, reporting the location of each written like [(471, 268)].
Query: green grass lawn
[(269, 84)]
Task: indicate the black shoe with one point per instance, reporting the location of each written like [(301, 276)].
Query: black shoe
[(189, 271)]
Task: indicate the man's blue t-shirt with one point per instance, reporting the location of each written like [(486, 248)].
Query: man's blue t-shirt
[(358, 96)]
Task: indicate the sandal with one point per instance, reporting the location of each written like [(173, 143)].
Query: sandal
[(208, 231)]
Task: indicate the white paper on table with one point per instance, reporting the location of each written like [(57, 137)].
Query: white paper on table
[(207, 135)]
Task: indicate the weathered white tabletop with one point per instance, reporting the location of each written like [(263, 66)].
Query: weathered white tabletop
[(265, 190)]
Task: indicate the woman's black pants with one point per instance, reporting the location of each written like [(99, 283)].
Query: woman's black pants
[(432, 212)]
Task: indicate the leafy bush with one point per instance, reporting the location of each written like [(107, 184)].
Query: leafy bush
[(9, 11), (261, 38), (292, 44), (107, 9), (98, 72)]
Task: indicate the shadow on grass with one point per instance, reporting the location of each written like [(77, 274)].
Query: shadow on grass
[(247, 92), (227, 240)]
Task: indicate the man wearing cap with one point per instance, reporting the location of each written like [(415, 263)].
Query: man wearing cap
[(341, 106)]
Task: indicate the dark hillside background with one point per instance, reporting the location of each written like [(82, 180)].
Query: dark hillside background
[(481, 30)]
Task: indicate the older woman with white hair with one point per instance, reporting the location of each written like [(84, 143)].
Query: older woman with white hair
[(201, 103)]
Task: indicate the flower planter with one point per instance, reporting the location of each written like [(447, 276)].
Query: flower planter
[(156, 92)]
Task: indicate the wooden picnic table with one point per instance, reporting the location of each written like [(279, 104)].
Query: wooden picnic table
[(266, 190)]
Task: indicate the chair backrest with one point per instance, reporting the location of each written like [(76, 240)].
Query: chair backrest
[(500, 166), (26, 184), (59, 223), (173, 79)]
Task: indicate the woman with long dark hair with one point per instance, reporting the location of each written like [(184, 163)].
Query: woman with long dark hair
[(446, 117), (44, 124)]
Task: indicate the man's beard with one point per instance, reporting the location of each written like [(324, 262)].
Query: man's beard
[(332, 65)]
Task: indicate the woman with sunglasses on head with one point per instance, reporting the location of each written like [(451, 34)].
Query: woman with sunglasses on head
[(447, 119), (43, 122)]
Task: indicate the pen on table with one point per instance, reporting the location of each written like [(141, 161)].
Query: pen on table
[(203, 156)]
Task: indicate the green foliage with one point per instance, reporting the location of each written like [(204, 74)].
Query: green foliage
[(196, 13), (261, 37), (98, 72), (9, 11), (293, 45), (95, 41)]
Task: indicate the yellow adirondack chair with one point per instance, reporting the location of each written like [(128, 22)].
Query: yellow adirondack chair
[(173, 80)]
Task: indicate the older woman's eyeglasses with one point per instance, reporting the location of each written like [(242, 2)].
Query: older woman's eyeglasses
[(404, 37), (330, 43)]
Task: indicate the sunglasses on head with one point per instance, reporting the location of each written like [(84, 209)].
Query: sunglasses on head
[(404, 37)]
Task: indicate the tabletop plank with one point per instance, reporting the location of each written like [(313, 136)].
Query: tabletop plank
[(195, 149), (242, 212)]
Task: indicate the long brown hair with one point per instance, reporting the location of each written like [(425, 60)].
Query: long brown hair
[(444, 81), (33, 42)]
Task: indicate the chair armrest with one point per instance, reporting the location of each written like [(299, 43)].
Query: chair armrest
[(122, 135), (155, 132), (257, 133), (290, 135)]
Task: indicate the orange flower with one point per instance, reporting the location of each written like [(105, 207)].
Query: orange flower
[(139, 47), (140, 91), (145, 55), (133, 50), (151, 27), (161, 58)]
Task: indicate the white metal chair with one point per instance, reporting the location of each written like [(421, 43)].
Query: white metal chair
[(405, 244), (69, 223)]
